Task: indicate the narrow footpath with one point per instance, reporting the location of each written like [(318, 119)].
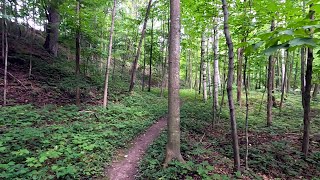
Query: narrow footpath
[(127, 168)]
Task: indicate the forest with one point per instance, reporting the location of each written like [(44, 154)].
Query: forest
[(157, 89)]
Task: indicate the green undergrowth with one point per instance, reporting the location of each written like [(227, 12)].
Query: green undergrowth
[(273, 151), (68, 143)]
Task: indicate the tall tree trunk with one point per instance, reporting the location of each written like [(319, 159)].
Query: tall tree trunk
[(290, 73), (52, 29), (200, 71), (150, 58), (270, 85), (144, 65), (5, 53), (190, 69), (78, 54), (295, 75), (209, 70), (239, 75), (135, 62), (247, 113), (307, 97), (3, 30), (215, 67), (106, 82), (302, 77), (165, 67), (173, 144), (203, 69), (236, 154), (284, 80)]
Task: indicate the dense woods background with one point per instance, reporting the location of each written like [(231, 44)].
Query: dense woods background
[(238, 80)]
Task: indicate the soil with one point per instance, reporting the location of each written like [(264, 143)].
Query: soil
[(127, 168)]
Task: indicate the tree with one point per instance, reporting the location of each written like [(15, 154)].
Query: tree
[(52, 30), (5, 52), (204, 68), (235, 143), (215, 67), (106, 82), (307, 97), (150, 58), (78, 53), (136, 58), (270, 85), (173, 144)]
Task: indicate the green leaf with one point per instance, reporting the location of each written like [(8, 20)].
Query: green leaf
[(302, 41)]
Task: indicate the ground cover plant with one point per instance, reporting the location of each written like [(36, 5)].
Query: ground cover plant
[(273, 152), (67, 142)]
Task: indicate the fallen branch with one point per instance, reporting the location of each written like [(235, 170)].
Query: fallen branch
[(15, 78)]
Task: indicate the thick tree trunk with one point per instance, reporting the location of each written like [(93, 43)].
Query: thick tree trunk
[(150, 58), (236, 154), (78, 54), (307, 98), (106, 82), (203, 69), (239, 75), (135, 62), (270, 85), (52, 29), (173, 144)]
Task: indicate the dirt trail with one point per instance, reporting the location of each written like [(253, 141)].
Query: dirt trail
[(127, 168)]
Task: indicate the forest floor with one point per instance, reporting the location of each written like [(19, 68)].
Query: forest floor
[(274, 152), (125, 164)]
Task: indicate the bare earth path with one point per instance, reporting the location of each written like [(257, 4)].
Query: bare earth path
[(126, 168)]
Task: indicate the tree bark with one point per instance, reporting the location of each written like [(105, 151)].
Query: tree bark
[(307, 97), (284, 80), (290, 74), (247, 113), (5, 53), (270, 84), (52, 29), (190, 69), (215, 67), (302, 77), (295, 75), (203, 69), (209, 71), (78, 54), (150, 58), (173, 144), (135, 62), (144, 65), (106, 82), (236, 154)]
